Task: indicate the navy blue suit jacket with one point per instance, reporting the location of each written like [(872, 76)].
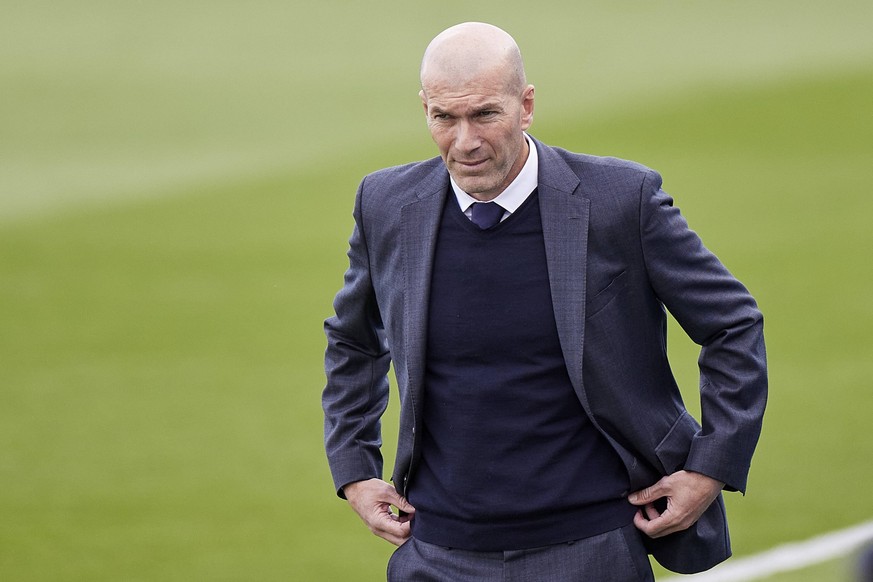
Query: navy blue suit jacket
[(618, 253)]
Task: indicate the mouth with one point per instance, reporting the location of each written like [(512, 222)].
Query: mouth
[(472, 164)]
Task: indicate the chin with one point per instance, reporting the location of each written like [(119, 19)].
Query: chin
[(474, 186)]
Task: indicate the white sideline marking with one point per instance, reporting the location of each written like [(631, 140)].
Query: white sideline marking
[(792, 556)]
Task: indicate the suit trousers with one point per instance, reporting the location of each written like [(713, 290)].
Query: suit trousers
[(615, 556)]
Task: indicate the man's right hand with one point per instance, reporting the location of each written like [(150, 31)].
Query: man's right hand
[(372, 500)]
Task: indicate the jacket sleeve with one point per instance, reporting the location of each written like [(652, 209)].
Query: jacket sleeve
[(718, 313), (356, 366)]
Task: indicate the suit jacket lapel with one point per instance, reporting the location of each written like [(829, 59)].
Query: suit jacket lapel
[(420, 224), (565, 230)]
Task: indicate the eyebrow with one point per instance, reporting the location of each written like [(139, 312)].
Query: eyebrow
[(489, 106)]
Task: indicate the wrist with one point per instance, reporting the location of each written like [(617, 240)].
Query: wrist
[(350, 487)]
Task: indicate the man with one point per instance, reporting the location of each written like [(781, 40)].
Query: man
[(520, 291)]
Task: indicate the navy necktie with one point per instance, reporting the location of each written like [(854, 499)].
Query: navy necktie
[(486, 214)]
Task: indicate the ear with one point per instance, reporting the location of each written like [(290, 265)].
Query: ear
[(527, 107), (423, 97)]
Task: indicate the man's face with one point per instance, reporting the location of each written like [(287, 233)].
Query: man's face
[(478, 127)]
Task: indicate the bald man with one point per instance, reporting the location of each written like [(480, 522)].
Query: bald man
[(520, 291)]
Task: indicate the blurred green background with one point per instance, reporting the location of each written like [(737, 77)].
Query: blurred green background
[(176, 183)]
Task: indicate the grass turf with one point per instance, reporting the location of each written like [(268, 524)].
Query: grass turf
[(162, 359)]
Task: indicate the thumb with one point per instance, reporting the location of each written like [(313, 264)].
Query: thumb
[(648, 495), (403, 505)]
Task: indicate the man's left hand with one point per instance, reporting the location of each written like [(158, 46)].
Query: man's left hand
[(688, 495)]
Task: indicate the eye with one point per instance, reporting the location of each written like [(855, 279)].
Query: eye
[(487, 113)]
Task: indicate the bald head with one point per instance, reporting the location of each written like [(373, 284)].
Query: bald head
[(466, 52)]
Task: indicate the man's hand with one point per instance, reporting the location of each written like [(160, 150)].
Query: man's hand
[(688, 495), (372, 500)]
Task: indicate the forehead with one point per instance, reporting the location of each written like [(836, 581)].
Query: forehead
[(470, 93)]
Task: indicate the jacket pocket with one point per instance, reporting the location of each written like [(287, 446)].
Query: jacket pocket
[(673, 449), (602, 298)]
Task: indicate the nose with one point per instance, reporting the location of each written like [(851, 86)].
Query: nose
[(467, 137)]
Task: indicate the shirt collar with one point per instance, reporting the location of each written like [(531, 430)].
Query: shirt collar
[(517, 192)]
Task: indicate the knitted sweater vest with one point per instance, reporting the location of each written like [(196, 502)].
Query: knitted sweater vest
[(509, 458)]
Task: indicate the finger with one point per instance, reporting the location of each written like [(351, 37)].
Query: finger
[(385, 493), (640, 497), (403, 505), (404, 517), (395, 532), (655, 524), (383, 518), (649, 494), (645, 525), (659, 489), (651, 527), (652, 512), (640, 521)]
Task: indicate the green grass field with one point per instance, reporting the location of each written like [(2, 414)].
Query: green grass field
[(176, 184)]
